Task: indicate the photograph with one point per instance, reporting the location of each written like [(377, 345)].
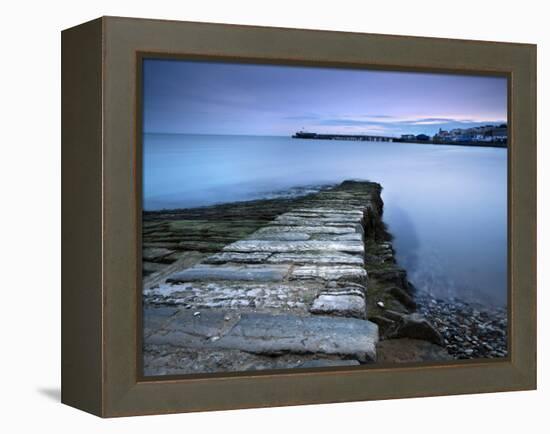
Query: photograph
[(315, 217)]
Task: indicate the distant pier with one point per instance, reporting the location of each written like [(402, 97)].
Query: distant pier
[(360, 137)]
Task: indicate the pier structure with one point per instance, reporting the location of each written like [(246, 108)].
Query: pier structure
[(359, 137), (291, 294)]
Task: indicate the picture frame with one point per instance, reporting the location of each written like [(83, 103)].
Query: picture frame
[(101, 216)]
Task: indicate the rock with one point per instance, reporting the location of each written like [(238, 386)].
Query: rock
[(235, 295), (280, 236), (272, 229), (329, 211), (255, 273), (155, 254), (346, 237), (327, 258), (347, 273), (262, 333), (295, 246), (326, 363), (393, 315), (151, 267), (247, 258), (415, 326), (339, 304), (393, 275), (402, 296), (341, 220), (410, 351), (384, 324)]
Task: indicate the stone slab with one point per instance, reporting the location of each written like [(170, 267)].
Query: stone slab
[(327, 258), (348, 273), (280, 236), (246, 258), (273, 334), (155, 253), (308, 229), (234, 295), (255, 273), (342, 305), (295, 246)]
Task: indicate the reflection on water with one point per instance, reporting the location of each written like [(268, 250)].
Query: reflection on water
[(445, 205)]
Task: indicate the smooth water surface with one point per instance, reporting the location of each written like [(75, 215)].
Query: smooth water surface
[(445, 205)]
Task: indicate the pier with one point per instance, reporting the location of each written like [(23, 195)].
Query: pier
[(359, 137)]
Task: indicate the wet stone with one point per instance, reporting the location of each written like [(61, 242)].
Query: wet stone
[(326, 363), (267, 334), (247, 258), (339, 304), (155, 253), (234, 295), (295, 246), (345, 237), (256, 273), (329, 211), (281, 236), (320, 221), (307, 229), (329, 258), (336, 272)]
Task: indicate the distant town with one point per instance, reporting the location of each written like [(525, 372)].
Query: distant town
[(486, 135)]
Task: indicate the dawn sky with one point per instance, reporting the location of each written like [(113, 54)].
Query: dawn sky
[(224, 98)]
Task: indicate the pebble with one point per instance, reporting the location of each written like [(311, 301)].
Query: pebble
[(469, 332)]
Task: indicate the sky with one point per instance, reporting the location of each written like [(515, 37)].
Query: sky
[(197, 97)]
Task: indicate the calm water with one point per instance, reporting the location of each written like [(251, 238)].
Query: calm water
[(445, 205)]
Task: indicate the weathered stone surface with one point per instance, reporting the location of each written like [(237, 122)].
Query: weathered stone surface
[(330, 211), (155, 253), (415, 326), (256, 273), (151, 267), (348, 273), (328, 363), (235, 295), (403, 297), (272, 334), (334, 216), (384, 324), (308, 229), (328, 258), (320, 221), (341, 305), (169, 360), (391, 276), (409, 351), (280, 236), (295, 246), (246, 258), (345, 237)]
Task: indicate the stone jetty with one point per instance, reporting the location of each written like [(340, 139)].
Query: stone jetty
[(299, 282), (291, 294)]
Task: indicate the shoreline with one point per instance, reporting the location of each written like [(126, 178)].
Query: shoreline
[(410, 329)]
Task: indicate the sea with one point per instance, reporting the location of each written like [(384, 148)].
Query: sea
[(445, 205)]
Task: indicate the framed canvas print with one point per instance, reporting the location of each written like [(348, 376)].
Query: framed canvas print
[(261, 216)]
